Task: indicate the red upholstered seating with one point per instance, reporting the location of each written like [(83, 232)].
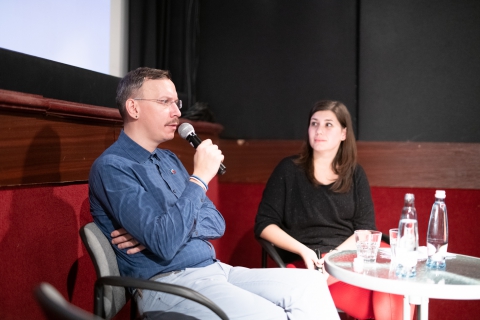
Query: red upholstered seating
[(40, 242), (238, 203)]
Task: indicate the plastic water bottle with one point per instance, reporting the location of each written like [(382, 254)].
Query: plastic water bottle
[(409, 212), (437, 234), (407, 242)]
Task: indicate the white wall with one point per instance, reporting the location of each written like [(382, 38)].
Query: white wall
[(90, 34)]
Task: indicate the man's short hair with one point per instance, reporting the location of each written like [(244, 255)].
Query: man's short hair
[(133, 81)]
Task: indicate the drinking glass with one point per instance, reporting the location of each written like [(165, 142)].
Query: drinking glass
[(393, 233), (406, 249), (368, 242)]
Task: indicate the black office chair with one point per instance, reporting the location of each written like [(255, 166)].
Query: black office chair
[(55, 306), (268, 249), (111, 293)]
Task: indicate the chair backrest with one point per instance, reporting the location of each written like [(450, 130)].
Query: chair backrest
[(54, 306), (105, 262), (112, 287)]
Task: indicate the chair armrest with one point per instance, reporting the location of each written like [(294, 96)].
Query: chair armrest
[(155, 286), (272, 252), (54, 305)]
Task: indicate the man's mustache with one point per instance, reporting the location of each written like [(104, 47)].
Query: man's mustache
[(175, 122)]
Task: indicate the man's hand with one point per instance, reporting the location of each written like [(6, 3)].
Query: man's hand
[(206, 160), (124, 240)]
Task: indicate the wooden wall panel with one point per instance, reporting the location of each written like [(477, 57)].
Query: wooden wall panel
[(388, 164), (37, 149), (253, 161), (52, 141), (421, 164)]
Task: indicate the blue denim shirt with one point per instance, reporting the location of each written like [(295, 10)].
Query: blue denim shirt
[(150, 195)]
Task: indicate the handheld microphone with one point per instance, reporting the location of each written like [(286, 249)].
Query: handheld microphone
[(187, 132)]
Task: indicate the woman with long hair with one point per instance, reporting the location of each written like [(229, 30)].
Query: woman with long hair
[(313, 202)]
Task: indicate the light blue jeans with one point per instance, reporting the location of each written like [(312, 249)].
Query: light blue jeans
[(256, 294)]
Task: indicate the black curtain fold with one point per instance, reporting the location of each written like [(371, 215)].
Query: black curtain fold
[(163, 34)]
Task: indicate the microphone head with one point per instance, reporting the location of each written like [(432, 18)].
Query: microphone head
[(185, 130)]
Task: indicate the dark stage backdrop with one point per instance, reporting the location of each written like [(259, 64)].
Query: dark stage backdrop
[(419, 70), (163, 34), (263, 64)]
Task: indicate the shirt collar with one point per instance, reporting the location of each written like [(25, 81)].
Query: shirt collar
[(137, 152)]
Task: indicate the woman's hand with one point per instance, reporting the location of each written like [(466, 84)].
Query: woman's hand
[(124, 240), (310, 259), (322, 262)]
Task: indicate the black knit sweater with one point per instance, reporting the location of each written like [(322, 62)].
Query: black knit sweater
[(314, 215)]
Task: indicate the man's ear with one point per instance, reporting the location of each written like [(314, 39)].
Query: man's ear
[(131, 108)]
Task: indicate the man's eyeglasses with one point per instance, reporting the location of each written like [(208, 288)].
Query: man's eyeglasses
[(165, 103)]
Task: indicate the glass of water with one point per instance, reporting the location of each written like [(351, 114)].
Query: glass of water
[(406, 250), (368, 242), (393, 233)]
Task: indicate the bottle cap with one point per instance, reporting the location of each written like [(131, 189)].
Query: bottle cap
[(440, 194), (409, 196)]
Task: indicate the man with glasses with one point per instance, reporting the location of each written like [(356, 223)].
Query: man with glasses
[(146, 191)]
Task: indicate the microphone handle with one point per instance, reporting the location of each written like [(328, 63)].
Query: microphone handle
[(195, 141), (222, 169)]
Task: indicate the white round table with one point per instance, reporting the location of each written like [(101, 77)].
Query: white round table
[(460, 280)]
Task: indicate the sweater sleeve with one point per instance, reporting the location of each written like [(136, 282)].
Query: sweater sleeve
[(364, 210), (272, 206)]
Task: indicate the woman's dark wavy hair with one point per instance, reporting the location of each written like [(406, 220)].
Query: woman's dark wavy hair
[(346, 158), (129, 85)]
